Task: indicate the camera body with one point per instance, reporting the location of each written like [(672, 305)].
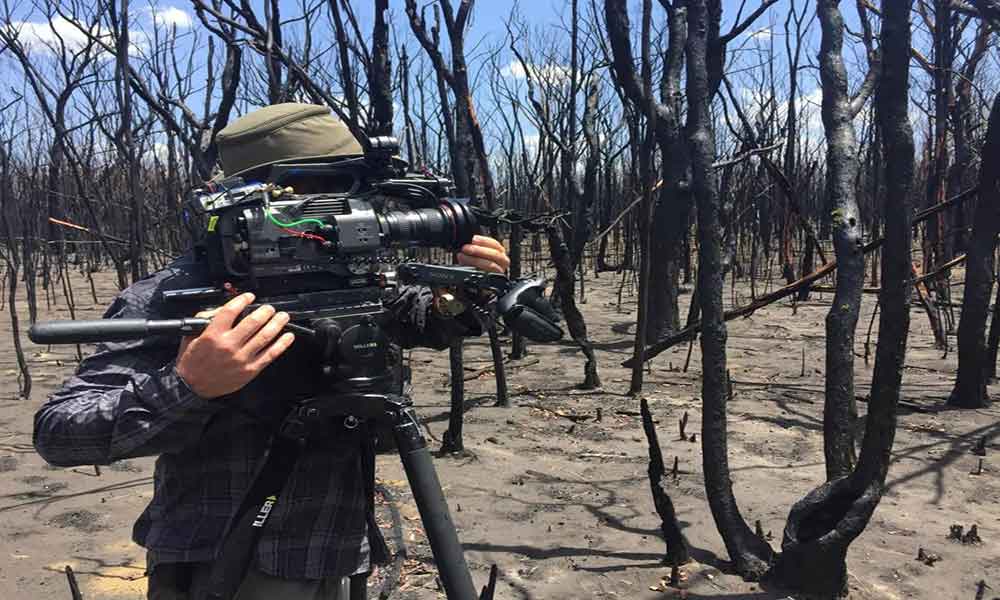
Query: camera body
[(254, 232)]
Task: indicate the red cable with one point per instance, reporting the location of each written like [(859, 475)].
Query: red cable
[(302, 234)]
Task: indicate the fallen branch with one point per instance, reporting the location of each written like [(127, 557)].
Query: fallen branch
[(559, 413), (932, 275), (832, 289), (743, 156), (689, 332), (941, 269), (475, 373)]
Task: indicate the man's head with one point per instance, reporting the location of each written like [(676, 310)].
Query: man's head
[(283, 133)]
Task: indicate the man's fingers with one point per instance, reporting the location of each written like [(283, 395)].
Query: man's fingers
[(482, 264), (208, 313), (272, 352), (485, 240), (266, 335), (252, 323), (497, 257), (230, 311)]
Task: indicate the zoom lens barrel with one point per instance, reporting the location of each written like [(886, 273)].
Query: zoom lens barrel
[(449, 225)]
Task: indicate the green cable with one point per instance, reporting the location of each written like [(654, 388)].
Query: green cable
[(293, 223)]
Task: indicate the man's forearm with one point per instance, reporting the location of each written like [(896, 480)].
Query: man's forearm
[(116, 408)]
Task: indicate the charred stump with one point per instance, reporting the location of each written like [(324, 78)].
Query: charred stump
[(518, 348), (677, 548), (820, 528)]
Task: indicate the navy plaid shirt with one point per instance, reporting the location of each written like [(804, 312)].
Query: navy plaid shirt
[(126, 400)]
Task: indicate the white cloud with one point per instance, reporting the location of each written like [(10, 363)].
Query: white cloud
[(547, 73), (807, 106), (158, 152), (49, 36), (761, 35), (171, 16), (531, 142)]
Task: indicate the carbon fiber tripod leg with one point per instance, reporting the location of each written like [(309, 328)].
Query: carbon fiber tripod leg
[(433, 508)]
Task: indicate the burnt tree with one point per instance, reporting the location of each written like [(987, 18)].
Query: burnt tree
[(671, 214), (973, 367), (750, 554), (564, 292), (838, 111), (823, 524), (468, 134)]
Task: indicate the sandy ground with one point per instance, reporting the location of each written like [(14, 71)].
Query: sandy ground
[(560, 500)]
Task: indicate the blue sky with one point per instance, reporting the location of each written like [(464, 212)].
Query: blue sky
[(487, 31)]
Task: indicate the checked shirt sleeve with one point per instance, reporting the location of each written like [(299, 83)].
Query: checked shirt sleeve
[(125, 400)]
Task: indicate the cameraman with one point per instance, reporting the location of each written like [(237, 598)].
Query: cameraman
[(209, 406)]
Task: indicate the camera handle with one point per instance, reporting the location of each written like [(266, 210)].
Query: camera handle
[(521, 304)]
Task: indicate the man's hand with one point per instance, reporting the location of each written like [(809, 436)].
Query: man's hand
[(486, 254), (225, 357)]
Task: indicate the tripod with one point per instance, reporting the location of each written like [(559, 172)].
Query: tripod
[(350, 401)]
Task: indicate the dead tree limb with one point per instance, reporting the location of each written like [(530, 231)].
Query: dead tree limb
[(693, 329)]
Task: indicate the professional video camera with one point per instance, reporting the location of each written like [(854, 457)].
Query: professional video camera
[(265, 230), (319, 257)]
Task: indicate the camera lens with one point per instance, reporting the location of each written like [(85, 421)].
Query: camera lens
[(449, 225)]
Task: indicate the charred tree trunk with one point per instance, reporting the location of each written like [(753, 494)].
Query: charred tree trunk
[(380, 74), (994, 339), (583, 220), (468, 133), (574, 318), (822, 525), (750, 554), (963, 124), (501, 376), (120, 22), (518, 348), (973, 370), (10, 256), (347, 84), (669, 218), (806, 268), (842, 172), (451, 441)]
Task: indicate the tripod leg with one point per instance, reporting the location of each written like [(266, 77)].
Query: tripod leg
[(433, 508), (358, 587)]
